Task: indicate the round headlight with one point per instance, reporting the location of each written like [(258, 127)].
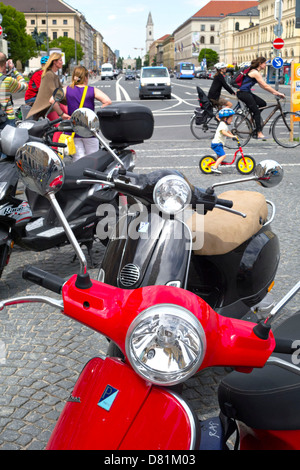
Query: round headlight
[(171, 194), (165, 344)]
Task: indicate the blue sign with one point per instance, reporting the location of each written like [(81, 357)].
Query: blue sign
[(277, 62)]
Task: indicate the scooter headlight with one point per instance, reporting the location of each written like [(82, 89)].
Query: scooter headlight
[(171, 194), (165, 344)]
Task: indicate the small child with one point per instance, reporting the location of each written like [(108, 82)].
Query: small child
[(218, 142)]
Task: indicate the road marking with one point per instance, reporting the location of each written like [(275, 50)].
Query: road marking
[(119, 88)]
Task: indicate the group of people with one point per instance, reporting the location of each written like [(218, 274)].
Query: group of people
[(43, 82), (245, 94), (39, 91)]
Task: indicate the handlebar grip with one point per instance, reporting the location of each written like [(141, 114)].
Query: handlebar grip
[(225, 203), (95, 174), (56, 121), (43, 279), (285, 346)]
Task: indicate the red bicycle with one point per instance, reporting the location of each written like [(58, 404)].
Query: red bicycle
[(245, 164)]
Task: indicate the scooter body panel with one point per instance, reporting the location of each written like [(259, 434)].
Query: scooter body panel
[(259, 439), (112, 408), (149, 250)]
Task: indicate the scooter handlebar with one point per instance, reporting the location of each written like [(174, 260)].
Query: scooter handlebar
[(43, 279), (225, 203), (95, 174)]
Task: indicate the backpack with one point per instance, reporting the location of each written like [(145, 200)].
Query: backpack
[(238, 77)]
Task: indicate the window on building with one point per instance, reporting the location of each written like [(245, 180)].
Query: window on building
[(237, 26), (212, 27), (54, 22), (65, 21), (65, 34), (54, 35), (43, 21), (203, 27), (32, 21), (212, 40), (202, 40)]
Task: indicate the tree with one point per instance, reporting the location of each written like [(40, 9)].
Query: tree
[(22, 45), (67, 45), (211, 56)]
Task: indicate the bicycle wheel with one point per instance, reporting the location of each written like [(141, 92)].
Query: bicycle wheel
[(286, 131), (206, 163), (245, 165), (242, 127), (202, 131)]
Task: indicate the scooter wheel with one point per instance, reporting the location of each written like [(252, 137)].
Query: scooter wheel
[(206, 163), (245, 165)]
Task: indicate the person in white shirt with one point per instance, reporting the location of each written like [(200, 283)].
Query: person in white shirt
[(218, 142)]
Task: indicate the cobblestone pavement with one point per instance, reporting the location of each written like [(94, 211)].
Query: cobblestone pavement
[(42, 352)]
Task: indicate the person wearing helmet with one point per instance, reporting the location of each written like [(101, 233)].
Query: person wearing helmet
[(218, 142), (34, 83), (218, 83)]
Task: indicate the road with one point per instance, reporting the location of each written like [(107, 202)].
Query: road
[(42, 352)]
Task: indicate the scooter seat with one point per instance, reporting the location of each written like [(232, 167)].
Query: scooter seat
[(224, 231), (97, 161), (267, 398)]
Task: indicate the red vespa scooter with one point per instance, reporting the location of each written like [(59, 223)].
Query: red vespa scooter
[(166, 335)]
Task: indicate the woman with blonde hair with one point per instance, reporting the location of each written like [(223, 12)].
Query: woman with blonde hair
[(49, 82), (74, 94)]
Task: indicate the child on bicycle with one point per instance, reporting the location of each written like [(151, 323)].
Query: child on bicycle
[(218, 142)]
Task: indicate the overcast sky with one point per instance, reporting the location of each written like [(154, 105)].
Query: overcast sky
[(123, 22)]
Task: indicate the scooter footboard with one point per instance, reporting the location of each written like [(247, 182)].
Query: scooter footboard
[(112, 408)]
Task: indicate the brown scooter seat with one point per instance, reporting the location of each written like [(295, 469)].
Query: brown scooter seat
[(223, 231)]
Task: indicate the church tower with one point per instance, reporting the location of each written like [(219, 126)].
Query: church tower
[(149, 33)]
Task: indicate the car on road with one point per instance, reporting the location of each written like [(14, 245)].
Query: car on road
[(129, 75), (155, 82), (201, 74)]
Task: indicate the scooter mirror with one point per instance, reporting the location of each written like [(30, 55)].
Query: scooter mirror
[(40, 168), (58, 94), (85, 122), (269, 173)]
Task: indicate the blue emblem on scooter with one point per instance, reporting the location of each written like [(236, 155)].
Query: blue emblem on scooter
[(108, 397)]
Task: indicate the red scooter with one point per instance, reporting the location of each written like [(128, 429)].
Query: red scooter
[(166, 334)]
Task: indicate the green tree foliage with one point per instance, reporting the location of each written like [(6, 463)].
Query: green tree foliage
[(67, 45), (22, 45), (211, 56)]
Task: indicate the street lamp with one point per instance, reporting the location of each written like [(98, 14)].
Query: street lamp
[(139, 49)]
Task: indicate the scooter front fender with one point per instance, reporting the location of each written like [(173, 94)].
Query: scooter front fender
[(112, 408)]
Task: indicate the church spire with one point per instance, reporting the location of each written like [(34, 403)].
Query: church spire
[(149, 32)]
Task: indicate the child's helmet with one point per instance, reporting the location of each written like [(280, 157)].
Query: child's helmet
[(226, 112)]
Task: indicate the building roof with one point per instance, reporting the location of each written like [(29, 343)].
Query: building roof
[(221, 8), (254, 11), (164, 37), (38, 6)]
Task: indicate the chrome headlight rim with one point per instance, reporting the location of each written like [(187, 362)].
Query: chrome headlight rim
[(176, 179), (163, 377)]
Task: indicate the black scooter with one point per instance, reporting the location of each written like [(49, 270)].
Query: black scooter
[(172, 233), (32, 224)]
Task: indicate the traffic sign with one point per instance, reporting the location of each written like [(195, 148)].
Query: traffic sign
[(277, 62), (1, 30), (278, 43)]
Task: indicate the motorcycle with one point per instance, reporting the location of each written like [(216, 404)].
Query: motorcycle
[(172, 233), (167, 335), (31, 223)]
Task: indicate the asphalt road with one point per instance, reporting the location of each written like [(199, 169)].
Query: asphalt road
[(42, 352)]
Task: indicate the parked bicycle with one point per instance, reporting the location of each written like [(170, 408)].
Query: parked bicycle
[(285, 127), (204, 121), (245, 164)]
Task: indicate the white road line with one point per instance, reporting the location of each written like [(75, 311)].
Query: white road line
[(119, 88)]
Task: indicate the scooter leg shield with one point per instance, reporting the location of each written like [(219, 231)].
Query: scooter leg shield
[(112, 408)]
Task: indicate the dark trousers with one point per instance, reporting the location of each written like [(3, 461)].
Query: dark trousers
[(253, 102)]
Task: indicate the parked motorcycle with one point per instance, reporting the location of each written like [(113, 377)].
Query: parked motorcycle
[(227, 260), (166, 334), (31, 223)]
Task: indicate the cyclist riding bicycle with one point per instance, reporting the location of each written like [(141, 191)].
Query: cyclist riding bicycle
[(218, 83)]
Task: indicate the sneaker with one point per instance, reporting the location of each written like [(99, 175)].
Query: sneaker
[(215, 170)]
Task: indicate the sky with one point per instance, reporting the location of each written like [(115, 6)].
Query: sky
[(123, 22)]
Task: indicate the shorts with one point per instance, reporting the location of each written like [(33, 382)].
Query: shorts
[(219, 149)]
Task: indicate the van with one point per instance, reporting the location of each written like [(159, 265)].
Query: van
[(155, 82), (107, 71)]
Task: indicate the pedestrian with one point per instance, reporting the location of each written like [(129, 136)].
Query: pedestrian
[(218, 83), (253, 101), (218, 142), (11, 81), (34, 83), (49, 82), (74, 93)]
